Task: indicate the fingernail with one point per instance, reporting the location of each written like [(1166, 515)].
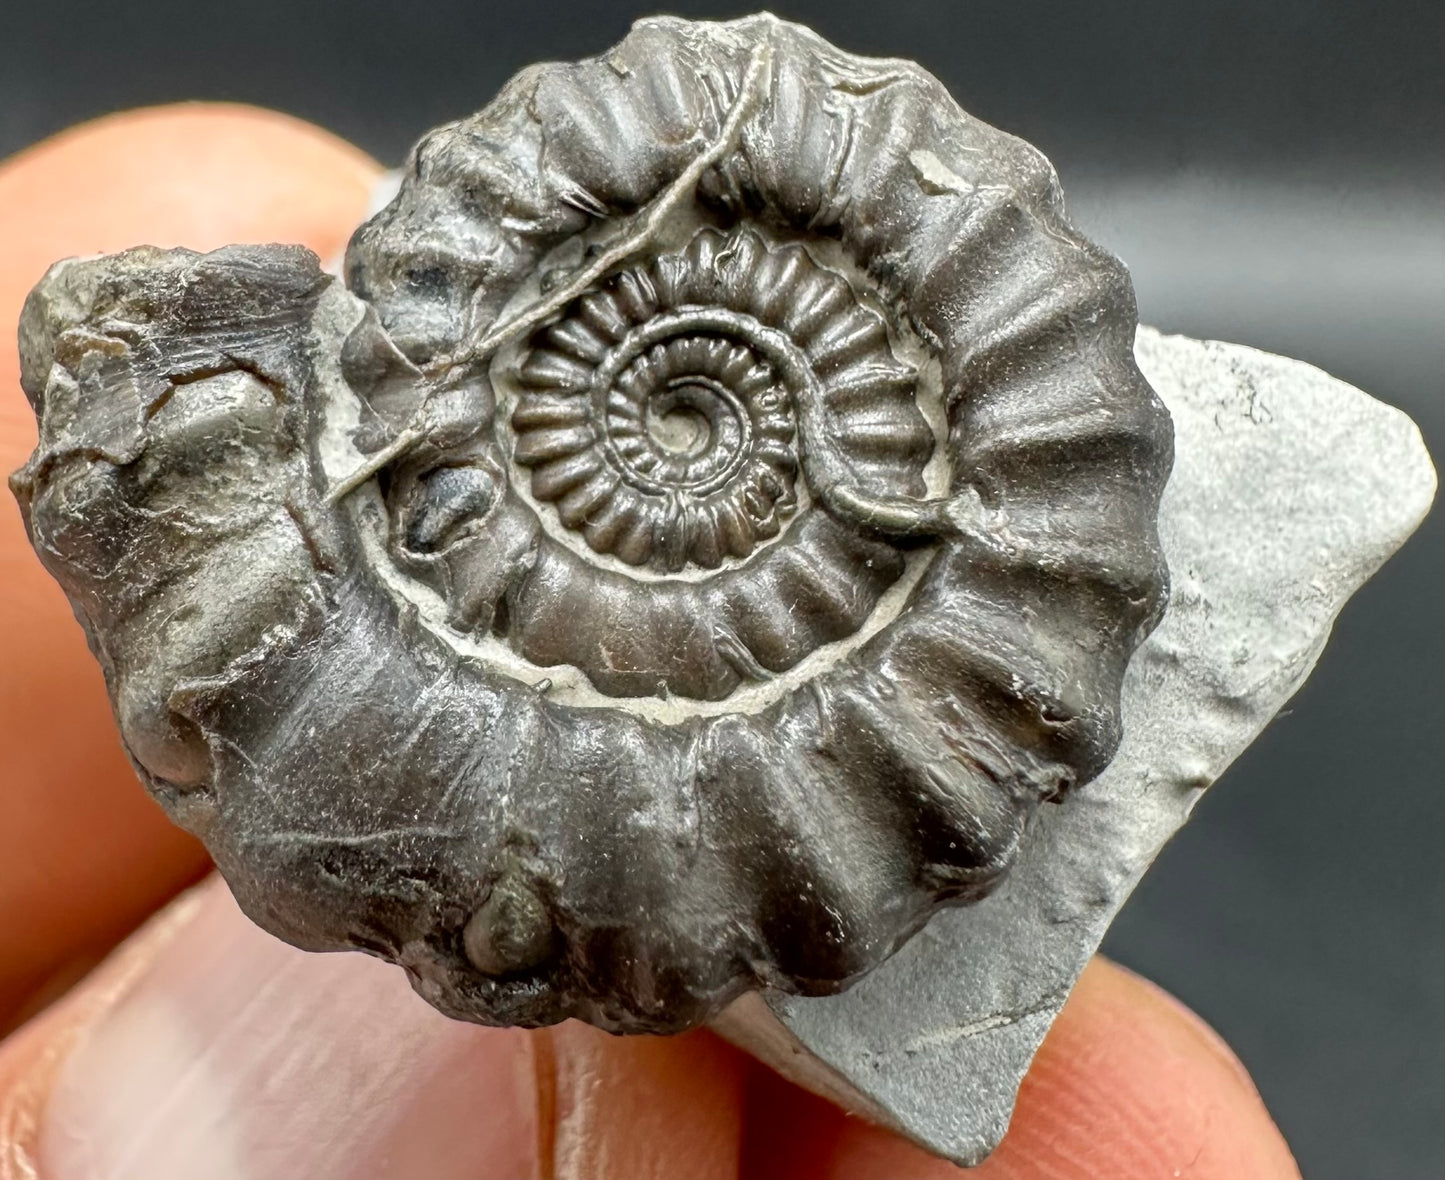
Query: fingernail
[(235, 1055)]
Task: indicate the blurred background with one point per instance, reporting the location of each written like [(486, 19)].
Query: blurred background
[(1272, 174)]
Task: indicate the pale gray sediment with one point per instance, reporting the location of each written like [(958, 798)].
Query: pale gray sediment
[(1290, 488)]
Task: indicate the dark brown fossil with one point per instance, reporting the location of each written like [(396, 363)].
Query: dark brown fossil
[(716, 510)]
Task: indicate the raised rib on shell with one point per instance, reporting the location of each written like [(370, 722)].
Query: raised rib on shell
[(526, 688)]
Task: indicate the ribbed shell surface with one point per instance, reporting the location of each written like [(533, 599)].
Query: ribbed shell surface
[(831, 647)]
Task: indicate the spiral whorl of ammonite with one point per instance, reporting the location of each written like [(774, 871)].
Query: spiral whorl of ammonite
[(805, 527), (658, 413), (718, 508)]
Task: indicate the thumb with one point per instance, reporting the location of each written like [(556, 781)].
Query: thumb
[(205, 1047)]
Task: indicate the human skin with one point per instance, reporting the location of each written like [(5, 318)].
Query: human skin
[(202, 1047)]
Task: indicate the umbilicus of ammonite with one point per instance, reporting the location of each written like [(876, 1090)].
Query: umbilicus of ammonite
[(713, 513)]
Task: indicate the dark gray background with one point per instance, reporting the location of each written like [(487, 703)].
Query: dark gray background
[(1272, 172)]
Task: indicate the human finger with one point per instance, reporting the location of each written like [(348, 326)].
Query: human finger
[(222, 1051), (1128, 1085), (208, 1048)]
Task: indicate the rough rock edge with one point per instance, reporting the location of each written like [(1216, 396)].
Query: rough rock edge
[(1340, 481)]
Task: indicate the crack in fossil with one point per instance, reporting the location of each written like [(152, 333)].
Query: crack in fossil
[(896, 516), (648, 223)]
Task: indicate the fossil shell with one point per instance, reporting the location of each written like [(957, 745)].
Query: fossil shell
[(715, 512)]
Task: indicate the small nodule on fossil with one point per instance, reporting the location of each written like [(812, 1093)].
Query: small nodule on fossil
[(511, 932)]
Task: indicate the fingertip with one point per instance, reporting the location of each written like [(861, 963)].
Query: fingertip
[(1131, 1082), (1128, 1083), (217, 1050), (228, 1053), (31, 1059), (200, 175)]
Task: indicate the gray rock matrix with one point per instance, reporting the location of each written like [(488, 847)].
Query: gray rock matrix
[(1290, 488)]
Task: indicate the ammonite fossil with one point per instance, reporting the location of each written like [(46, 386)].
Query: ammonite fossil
[(713, 514)]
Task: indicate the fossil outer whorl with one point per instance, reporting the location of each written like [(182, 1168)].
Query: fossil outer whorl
[(719, 511)]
